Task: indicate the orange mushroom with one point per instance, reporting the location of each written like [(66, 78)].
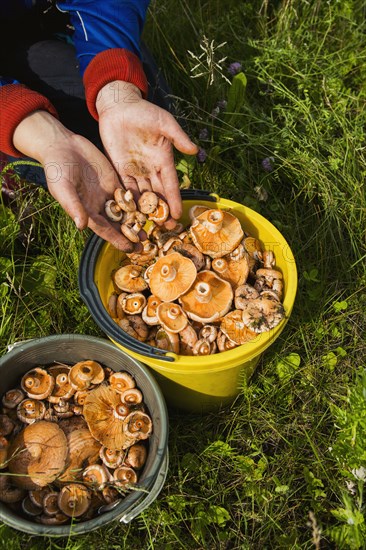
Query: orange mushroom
[(235, 329), (209, 299), (130, 278), (216, 233), (234, 271), (172, 317), (172, 276), (149, 314), (37, 383), (85, 373)]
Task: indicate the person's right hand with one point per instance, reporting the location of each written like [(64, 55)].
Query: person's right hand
[(78, 175)]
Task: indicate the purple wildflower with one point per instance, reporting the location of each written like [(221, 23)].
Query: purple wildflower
[(234, 68), (201, 155), (267, 164), (203, 134), (222, 104)]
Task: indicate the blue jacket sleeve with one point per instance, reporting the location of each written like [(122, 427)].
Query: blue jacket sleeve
[(105, 24)]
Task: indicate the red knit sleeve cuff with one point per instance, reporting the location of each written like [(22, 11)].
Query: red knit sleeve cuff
[(16, 102), (109, 65)]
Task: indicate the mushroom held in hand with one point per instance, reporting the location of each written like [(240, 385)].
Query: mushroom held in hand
[(209, 299), (172, 276), (38, 455), (216, 233)]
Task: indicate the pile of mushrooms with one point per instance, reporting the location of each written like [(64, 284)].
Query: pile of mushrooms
[(198, 290), (72, 439)]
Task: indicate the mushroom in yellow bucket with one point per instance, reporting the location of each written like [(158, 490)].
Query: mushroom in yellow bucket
[(216, 233), (209, 299), (130, 278), (172, 276)]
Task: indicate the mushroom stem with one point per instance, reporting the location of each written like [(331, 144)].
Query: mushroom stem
[(214, 221), (203, 292), (168, 272)]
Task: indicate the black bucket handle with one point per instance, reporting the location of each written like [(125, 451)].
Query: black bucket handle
[(91, 297)]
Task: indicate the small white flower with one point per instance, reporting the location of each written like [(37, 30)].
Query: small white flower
[(359, 473), (351, 487), (351, 521)]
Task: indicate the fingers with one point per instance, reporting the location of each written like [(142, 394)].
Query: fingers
[(66, 195), (178, 137), (104, 229), (169, 179)]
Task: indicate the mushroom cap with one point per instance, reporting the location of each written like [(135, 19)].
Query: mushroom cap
[(132, 396), (74, 500), (50, 504), (124, 476), (209, 299), (38, 455), (12, 398), (262, 314), (37, 383), (167, 340), (112, 458), (244, 293), (235, 271), (121, 381), (4, 451), (233, 327), (113, 212), (137, 425), (161, 212), (189, 251), (196, 210), (9, 493), (96, 476), (124, 199), (216, 233), (6, 425), (171, 276), (83, 449), (30, 410), (149, 313), (223, 342), (203, 347), (62, 388), (130, 278), (30, 508), (148, 253), (148, 202), (209, 333), (133, 304), (253, 247), (85, 373), (172, 317), (136, 456), (104, 414)]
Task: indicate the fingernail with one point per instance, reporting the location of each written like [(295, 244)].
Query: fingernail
[(77, 222)]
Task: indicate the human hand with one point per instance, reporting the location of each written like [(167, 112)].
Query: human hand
[(138, 138), (78, 175)]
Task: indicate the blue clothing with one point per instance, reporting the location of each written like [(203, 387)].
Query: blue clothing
[(99, 25)]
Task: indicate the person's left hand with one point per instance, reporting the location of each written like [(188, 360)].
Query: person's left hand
[(138, 137)]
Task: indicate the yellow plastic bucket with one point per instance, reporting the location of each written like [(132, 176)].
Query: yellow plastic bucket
[(195, 384)]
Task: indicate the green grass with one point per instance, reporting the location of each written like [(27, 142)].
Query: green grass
[(281, 467)]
